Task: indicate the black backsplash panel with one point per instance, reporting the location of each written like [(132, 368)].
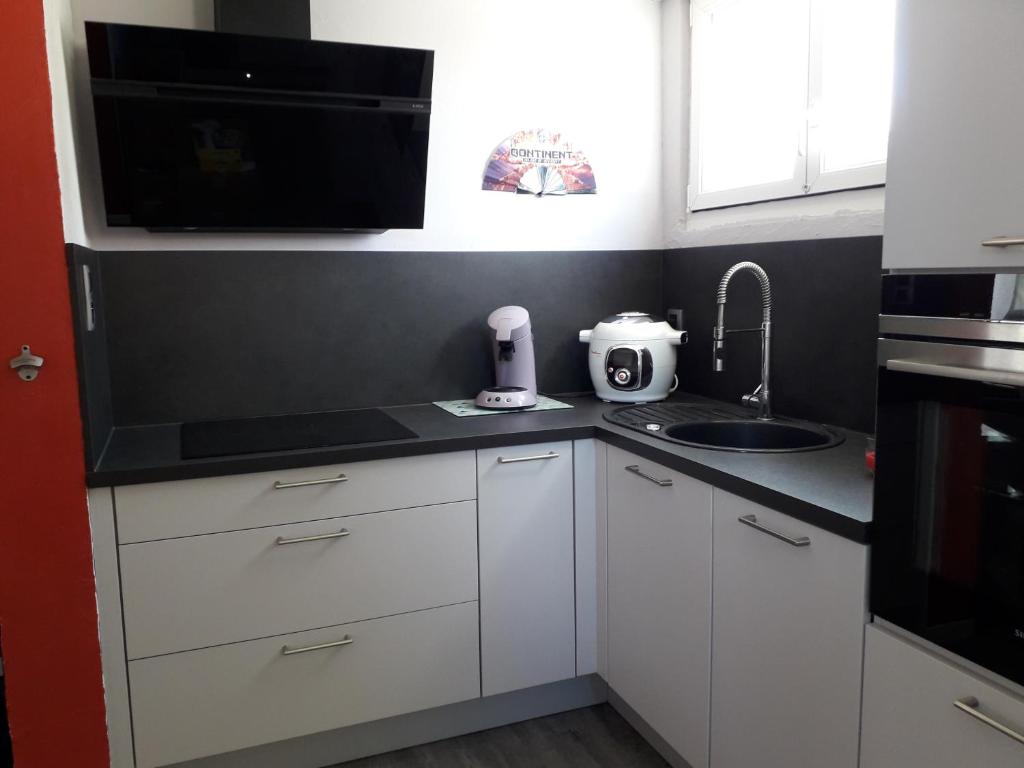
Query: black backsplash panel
[(191, 336), (91, 351), (214, 334), (825, 324)]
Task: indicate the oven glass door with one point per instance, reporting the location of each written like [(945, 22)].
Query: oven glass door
[(948, 537)]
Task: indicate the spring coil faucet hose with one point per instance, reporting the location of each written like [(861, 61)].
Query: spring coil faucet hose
[(760, 398), (762, 278)]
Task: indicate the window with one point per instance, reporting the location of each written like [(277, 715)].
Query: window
[(789, 98)]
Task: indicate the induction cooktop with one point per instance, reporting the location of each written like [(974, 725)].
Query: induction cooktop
[(289, 432)]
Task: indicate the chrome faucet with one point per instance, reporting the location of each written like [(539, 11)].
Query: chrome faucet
[(760, 398)]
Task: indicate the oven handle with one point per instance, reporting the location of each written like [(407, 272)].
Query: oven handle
[(984, 375)]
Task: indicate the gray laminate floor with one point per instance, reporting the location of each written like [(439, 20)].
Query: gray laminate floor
[(596, 737)]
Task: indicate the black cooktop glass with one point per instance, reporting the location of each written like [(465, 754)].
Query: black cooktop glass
[(206, 439)]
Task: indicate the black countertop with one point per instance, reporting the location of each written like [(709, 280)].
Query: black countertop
[(829, 488)]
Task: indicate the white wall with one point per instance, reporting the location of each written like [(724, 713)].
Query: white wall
[(854, 213), (58, 20), (675, 109), (589, 68), (621, 93), (75, 138), (840, 214)]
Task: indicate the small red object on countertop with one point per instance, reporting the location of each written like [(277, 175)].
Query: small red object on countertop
[(869, 459)]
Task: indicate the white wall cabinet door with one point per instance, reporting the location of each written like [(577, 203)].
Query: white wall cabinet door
[(910, 720), (527, 587), (659, 599), (956, 159), (788, 641)]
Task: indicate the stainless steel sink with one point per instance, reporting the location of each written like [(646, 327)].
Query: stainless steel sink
[(724, 428)]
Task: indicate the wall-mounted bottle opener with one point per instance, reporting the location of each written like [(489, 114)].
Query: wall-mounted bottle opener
[(26, 364)]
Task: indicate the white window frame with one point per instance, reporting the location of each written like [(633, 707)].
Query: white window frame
[(808, 177)]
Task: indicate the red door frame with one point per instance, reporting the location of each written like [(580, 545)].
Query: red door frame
[(48, 626)]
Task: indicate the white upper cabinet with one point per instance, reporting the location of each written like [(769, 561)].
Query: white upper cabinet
[(956, 152), (789, 613), (527, 569), (659, 599)]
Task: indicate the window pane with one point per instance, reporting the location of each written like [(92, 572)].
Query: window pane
[(856, 77), (752, 84)]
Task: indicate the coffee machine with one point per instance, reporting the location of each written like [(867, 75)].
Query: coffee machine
[(514, 371)]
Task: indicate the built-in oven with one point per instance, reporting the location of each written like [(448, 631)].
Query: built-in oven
[(947, 558)]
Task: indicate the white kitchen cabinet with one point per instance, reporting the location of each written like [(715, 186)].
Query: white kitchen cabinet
[(590, 523), (178, 508), (910, 718), (659, 599), (956, 158), (789, 615), (242, 585), (214, 700), (527, 590)]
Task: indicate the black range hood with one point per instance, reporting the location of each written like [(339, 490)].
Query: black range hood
[(274, 18), (219, 131)]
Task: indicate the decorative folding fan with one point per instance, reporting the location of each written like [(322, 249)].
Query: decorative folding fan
[(538, 162)]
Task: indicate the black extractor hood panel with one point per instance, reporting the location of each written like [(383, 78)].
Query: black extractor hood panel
[(222, 131), (276, 18)]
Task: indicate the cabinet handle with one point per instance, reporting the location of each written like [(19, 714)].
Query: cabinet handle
[(970, 704), (1002, 242), (796, 541), (303, 483), (322, 537), (664, 483), (516, 460), (346, 640)]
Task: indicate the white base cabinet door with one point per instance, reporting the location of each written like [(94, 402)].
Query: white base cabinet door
[(179, 508), (214, 700), (527, 567), (789, 618), (659, 599), (271, 581), (911, 719)]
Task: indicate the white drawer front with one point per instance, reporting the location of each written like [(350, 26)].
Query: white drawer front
[(208, 505), (215, 700), (199, 591), (909, 719)]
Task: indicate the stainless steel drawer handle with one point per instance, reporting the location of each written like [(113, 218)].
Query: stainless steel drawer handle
[(970, 705), (288, 651), (663, 482), (516, 460), (796, 541), (1002, 242), (322, 537), (303, 483)]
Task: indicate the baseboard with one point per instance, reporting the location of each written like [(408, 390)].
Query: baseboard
[(662, 747), (374, 738)]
